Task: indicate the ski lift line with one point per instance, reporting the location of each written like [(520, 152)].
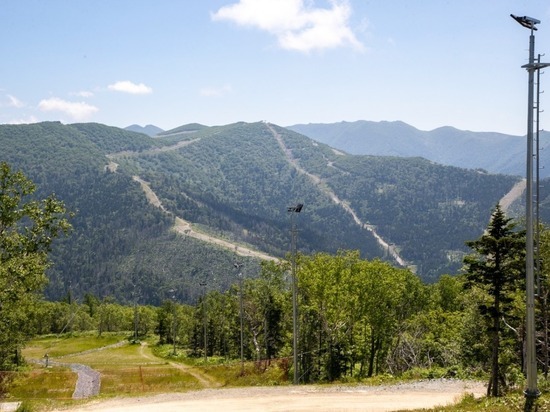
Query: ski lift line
[(318, 181)]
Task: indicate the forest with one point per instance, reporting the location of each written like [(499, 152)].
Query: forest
[(117, 265), (357, 318), (235, 182)]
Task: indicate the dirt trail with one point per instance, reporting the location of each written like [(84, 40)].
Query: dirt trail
[(392, 250), (205, 380), (129, 153), (185, 228)]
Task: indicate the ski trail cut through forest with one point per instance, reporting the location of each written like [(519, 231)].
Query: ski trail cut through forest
[(392, 250), (156, 150), (185, 228), (514, 194)]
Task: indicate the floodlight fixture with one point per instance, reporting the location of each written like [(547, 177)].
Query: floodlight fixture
[(526, 21), (296, 209)]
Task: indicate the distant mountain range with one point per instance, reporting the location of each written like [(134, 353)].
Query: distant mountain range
[(149, 130), (493, 152)]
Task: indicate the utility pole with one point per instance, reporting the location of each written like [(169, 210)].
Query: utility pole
[(238, 266), (203, 284), (294, 234), (531, 392)]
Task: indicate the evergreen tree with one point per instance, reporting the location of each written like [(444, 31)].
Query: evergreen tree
[(497, 266)]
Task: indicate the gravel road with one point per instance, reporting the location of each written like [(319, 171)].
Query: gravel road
[(88, 382), (423, 394)]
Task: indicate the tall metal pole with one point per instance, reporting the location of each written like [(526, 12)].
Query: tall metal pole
[(531, 392), (293, 235), (531, 359), (203, 284), (238, 265), (294, 302)]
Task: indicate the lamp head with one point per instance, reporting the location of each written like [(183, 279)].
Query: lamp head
[(296, 209), (526, 21)]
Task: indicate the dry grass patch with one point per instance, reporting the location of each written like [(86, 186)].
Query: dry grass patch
[(56, 346), (145, 379), (43, 383)]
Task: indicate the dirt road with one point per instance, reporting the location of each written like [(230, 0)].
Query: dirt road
[(408, 396)]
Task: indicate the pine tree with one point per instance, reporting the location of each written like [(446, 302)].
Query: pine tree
[(497, 266)]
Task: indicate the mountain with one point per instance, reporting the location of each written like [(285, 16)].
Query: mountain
[(149, 130), (186, 128), (172, 213), (494, 152)]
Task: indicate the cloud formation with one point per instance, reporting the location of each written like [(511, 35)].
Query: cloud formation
[(296, 24), (215, 91), (83, 93), (127, 86), (76, 110)]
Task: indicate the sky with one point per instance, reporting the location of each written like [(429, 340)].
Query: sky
[(429, 63)]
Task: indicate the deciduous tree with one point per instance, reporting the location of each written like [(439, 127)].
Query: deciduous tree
[(27, 229)]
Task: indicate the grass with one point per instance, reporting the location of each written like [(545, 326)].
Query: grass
[(135, 370), (56, 346), (44, 383), (512, 402)]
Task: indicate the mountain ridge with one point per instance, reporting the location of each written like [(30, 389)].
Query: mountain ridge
[(235, 182), (491, 151)]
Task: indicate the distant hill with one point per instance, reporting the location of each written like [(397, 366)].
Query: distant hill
[(494, 152), (149, 130), (235, 183), (187, 128)]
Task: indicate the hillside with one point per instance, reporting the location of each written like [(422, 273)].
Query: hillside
[(494, 152), (235, 183)]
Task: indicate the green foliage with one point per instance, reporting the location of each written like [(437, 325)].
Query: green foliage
[(27, 229), (357, 307), (497, 268)]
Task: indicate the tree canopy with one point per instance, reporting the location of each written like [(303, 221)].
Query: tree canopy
[(27, 229)]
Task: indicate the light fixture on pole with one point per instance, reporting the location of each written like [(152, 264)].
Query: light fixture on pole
[(238, 266), (531, 392), (174, 320), (204, 284), (293, 232)]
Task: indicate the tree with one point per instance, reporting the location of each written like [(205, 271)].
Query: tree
[(27, 230), (496, 266)]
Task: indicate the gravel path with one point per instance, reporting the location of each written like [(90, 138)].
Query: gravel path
[(319, 398), (88, 382)]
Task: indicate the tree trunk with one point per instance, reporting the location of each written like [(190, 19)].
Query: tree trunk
[(494, 386), (372, 356)]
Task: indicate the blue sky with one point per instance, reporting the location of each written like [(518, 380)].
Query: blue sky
[(429, 63)]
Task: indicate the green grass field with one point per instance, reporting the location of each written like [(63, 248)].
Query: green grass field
[(137, 369)]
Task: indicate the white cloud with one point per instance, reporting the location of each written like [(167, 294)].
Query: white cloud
[(83, 93), (77, 110), (215, 91), (296, 24), (14, 102), (127, 86)]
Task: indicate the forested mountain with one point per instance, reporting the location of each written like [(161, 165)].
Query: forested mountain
[(494, 152), (236, 182)]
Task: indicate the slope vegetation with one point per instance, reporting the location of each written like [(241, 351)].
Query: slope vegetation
[(232, 185)]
